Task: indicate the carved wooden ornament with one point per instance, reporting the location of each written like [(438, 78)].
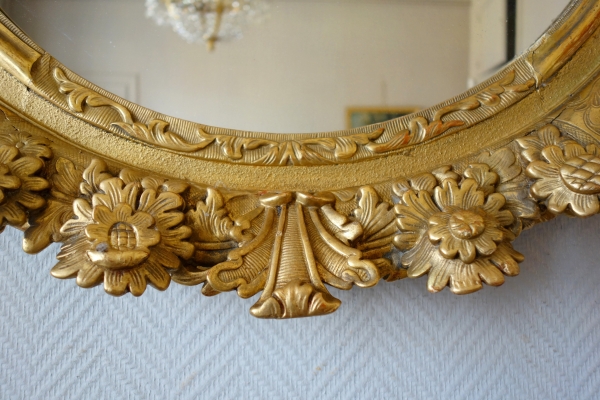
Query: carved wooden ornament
[(136, 198)]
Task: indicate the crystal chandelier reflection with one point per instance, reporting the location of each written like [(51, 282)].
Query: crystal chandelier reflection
[(207, 21)]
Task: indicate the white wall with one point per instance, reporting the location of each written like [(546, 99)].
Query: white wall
[(297, 72)]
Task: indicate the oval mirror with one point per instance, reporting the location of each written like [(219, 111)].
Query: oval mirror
[(303, 67)]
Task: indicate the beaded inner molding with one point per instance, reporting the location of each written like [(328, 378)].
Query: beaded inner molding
[(137, 198)]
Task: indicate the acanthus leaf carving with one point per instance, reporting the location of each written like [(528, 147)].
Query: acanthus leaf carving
[(233, 147), (212, 224), (295, 152), (156, 133), (344, 147), (45, 225), (340, 259), (512, 183), (420, 129), (93, 175), (582, 114), (310, 151), (377, 220), (78, 96), (347, 230), (214, 234)]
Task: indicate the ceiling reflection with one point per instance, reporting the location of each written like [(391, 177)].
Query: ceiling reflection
[(299, 70)]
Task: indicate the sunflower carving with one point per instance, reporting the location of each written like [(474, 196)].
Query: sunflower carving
[(457, 232), (127, 233), (567, 174), (21, 163)]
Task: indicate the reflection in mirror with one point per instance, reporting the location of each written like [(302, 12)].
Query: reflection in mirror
[(206, 21), (298, 71), (502, 29)]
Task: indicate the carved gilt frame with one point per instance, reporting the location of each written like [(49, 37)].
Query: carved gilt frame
[(136, 197)]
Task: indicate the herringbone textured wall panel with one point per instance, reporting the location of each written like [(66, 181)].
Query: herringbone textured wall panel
[(537, 337)]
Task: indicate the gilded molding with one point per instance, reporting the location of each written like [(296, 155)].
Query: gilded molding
[(16, 56), (444, 192), (305, 151)]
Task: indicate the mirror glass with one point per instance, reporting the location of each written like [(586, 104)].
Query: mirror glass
[(299, 69)]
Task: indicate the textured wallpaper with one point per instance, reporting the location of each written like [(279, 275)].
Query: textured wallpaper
[(536, 337)]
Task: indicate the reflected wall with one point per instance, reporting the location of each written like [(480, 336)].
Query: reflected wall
[(295, 72)]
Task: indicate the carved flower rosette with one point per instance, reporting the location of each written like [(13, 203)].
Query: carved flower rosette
[(22, 158), (567, 174), (459, 229), (124, 232)]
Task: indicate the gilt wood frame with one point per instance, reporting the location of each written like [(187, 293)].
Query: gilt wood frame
[(136, 197)]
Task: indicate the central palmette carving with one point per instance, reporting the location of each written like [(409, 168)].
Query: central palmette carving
[(293, 287), (293, 254)]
